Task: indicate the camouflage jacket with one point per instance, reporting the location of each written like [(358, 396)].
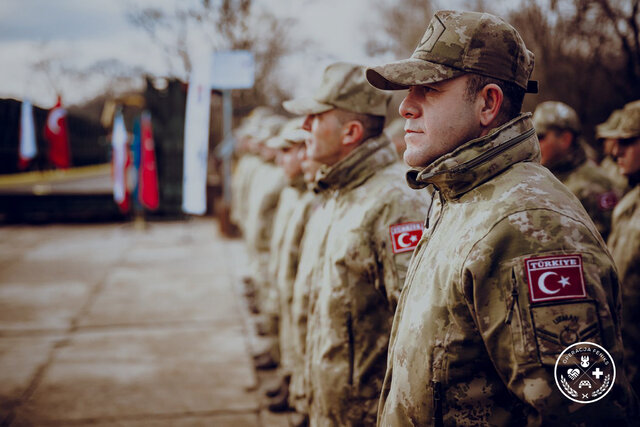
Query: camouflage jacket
[(262, 198), (287, 202), (311, 248), (467, 345), (624, 243), (356, 282), (595, 190), (287, 259), (240, 186)]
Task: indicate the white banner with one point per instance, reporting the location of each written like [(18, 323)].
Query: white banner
[(119, 145), (196, 138), (28, 149)]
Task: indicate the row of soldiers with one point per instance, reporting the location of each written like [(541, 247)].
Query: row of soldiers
[(415, 304)]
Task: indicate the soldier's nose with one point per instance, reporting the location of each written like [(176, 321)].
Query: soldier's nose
[(408, 109)]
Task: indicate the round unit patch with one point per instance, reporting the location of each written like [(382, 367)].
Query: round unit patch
[(585, 372)]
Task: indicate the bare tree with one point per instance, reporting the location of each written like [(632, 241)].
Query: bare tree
[(400, 26), (587, 52), (225, 24)]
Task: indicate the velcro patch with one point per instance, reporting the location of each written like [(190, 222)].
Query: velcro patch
[(607, 201), (555, 278), (405, 236)]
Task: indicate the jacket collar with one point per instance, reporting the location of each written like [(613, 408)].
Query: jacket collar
[(372, 155), (480, 159)]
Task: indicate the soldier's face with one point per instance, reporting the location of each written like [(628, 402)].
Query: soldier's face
[(309, 167), (439, 119), (627, 153), (552, 147), (325, 137), (290, 161)]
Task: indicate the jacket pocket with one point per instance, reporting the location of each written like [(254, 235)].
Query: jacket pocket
[(517, 319), (558, 325)]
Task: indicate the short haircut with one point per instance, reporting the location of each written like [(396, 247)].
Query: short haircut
[(373, 125), (513, 95)]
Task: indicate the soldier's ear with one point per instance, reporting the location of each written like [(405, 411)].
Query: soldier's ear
[(490, 99), (352, 132)]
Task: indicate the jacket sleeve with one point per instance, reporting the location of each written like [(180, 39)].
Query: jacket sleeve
[(392, 265), (523, 338)]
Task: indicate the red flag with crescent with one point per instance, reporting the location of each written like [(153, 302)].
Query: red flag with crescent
[(555, 278), (148, 187), (57, 135), (405, 236)]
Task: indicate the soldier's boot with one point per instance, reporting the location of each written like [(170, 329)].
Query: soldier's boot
[(280, 402), (267, 326), (265, 362), (299, 420), (249, 287), (277, 387), (252, 304)]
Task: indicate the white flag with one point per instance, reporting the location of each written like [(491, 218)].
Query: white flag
[(119, 145), (28, 148), (196, 138)]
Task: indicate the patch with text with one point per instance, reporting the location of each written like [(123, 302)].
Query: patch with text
[(555, 278), (405, 237)]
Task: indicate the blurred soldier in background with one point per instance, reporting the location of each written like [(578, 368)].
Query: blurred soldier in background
[(260, 193), (624, 241), (361, 238), (608, 163), (395, 132), (289, 143), (472, 343), (558, 129)]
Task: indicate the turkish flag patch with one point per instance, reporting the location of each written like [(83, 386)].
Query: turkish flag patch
[(555, 278), (405, 236), (607, 201)]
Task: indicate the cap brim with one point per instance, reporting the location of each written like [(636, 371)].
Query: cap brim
[(306, 106), (402, 74), (295, 136)]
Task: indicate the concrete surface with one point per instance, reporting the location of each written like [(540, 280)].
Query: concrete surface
[(113, 325)]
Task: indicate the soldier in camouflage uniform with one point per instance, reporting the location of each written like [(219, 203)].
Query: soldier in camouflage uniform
[(468, 345), (289, 143), (624, 241), (607, 163), (558, 129), (362, 237)]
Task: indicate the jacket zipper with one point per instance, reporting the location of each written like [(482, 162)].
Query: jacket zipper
[(514, 297), (492, 153), (437, 403), (414, 265), (351, 345)]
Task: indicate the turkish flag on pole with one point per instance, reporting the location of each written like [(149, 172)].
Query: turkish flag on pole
[(148, 190), (119, 163), (27, 149), (57, 135)]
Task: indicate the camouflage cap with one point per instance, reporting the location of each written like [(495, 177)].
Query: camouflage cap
[(605, 128), (456, 43), (343, 86), (554, 114), (268, 127), (291, 134), (629, 125)]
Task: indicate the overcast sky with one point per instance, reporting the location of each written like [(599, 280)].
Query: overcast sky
[(83, 32)]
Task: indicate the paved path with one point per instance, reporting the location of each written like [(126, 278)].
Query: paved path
[(112, 325)]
